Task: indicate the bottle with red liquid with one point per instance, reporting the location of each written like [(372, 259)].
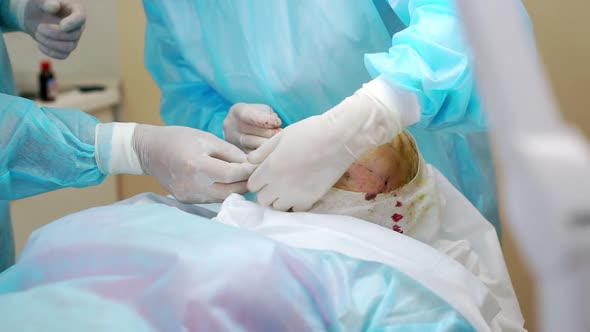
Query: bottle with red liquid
[(47, 82)]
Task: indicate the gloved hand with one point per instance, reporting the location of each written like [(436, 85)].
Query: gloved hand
[(55, 24), (248, 126), (194, 166), (301, 163)]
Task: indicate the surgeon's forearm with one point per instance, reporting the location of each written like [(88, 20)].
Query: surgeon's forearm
[(430, 60), (405, 103), (43, 149)]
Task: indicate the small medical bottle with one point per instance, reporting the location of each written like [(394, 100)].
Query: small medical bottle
[(47, 82)]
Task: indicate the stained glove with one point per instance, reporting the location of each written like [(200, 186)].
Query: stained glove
[(55, 24), (194, 166), (248, 126), (301, 163)]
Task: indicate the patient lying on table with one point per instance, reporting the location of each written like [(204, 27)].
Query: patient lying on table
[(153, 264)]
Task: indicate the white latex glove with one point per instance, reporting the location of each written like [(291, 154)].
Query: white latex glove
[(248, 126), (301, 163), (194, 166), (55, 24)]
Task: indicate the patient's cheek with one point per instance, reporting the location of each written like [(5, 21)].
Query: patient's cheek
[(361, 179)]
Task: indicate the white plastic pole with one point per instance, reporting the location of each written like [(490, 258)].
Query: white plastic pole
[(545, 164)]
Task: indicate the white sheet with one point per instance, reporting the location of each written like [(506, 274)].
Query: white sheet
[(467, 269)]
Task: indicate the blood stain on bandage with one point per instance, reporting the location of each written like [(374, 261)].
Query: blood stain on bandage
[(397, 217), (398, 229), (398, 204), (370, 196)]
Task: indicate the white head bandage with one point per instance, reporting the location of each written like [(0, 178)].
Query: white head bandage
[(400, 210)]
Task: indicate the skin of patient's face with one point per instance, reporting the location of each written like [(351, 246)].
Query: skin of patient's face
[(382, 169)]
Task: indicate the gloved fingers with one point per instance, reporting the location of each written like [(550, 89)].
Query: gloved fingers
[(252, 142), (302, 206), (227, 152), (53, 31), (265, 197), (71, 13), (58, 45), (50, 6), (53, 53), (260, 154), (76, 17), (258, 131), (281, 205), (257, 180), (224, 172), (222, 190), (259, 115)]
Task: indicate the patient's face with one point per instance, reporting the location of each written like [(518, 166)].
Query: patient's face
[(383, 169), (386, 186)]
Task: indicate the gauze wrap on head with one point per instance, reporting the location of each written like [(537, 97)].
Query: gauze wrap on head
[(403, 210)]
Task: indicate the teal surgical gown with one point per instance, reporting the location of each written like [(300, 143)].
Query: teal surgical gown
[(41, 149), (304, 57)]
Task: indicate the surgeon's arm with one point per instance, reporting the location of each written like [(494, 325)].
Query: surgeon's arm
[(43, 149), (430, 60), (187, 99), (8, 20), (425, 80)]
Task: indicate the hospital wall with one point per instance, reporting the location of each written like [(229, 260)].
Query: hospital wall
[(562, 28)]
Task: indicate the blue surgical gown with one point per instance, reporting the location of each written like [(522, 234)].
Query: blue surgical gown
[(304, 57), (41, 149)]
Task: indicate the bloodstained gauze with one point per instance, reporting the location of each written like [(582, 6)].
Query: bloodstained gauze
[(398, 204), (398, 229), (370, 196), (397, 217)]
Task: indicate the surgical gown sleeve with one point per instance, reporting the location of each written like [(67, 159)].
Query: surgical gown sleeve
[(187, 99), (43, 149), (430, 59), (8, 19)]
